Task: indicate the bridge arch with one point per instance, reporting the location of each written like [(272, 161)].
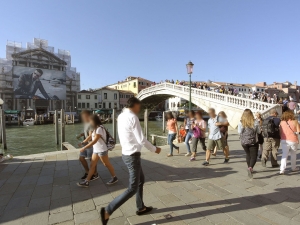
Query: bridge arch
[(232, 105)]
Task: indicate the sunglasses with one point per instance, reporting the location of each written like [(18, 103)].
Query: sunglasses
[(39, 75)]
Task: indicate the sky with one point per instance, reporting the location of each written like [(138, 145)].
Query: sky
[(227, 40)]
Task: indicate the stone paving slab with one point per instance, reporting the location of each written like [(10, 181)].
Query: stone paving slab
[(41, 189)]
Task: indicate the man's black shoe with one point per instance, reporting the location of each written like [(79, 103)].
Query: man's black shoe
[(148, 209), (102, 215)]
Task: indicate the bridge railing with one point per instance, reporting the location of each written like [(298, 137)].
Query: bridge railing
[(230, 100)]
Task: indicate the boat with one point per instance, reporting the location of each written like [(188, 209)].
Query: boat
[(159, 118), (29, 122)]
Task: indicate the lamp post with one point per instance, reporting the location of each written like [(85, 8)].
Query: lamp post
[(189, 68)]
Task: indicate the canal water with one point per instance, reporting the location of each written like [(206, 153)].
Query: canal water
[(27, 140)]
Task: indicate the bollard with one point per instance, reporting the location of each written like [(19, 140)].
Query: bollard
[(164, 120), (114, 124), (56, 127), (62, 128), (0, 126), (3, 129), (146, 123)]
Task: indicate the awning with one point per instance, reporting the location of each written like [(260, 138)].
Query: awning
[(12, 111)]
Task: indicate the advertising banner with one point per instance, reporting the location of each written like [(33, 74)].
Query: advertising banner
[(36, 83)]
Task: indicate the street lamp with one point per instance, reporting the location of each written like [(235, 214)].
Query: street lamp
[(189, 68)]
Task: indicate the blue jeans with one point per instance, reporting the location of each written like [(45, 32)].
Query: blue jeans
[(171, 138), (136, 183), (186, 141)]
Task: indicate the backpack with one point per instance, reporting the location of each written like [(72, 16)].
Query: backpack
[(248, 136), (110, 141), (197, 132), (269, 128)]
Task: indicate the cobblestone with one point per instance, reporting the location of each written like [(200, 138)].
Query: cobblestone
[(41, 189)]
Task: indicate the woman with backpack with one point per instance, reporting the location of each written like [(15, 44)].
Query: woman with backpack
[(189, 121), (199, 128), (248, 131), (289, 130), (100, 151), (172, 132)]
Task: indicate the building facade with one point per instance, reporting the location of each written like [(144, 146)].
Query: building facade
[(98, 99), (133, 84), (38, 55), (124, 96)]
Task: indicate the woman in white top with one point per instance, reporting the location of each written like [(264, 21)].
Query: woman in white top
[(99, 151)]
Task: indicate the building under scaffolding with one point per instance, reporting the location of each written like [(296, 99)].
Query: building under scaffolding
[(35, 54)]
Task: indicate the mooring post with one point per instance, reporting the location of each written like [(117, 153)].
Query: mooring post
[(62, 128), (146, 123), (164, 120), (0, 125), (114, 124), (3, 130), (56, 127)]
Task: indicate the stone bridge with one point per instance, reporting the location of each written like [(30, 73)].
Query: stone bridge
[(232, 105)]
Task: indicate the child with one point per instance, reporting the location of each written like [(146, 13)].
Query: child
[(182, 134)]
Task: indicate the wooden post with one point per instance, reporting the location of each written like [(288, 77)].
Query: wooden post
[(62, 128), (3, 129), (146, 123), (56, 127), (0, 125), (154, 139), (164, 120), (114, 124)]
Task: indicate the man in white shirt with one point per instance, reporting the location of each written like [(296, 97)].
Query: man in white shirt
[(132, 140)]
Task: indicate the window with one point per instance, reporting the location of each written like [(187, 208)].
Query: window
[(83, 105), (134, 84), (96, 105), (79, 96), (95, 96), (115, 96), (79, 105), (105, 95), (88, 97), (104, 105), (109, 105), (88, 105), (100, 106)]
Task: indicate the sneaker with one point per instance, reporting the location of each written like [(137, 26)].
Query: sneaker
[(281, 173), (169, 155), (250, 174), (214, 154), (112, 181), (263, 163), (188, 154), (94, 177), (296, 169), (83, 184), (84, 176), (192, 159), (226, 161), (205, 163)]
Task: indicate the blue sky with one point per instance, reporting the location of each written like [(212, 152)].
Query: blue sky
[(228, 40)]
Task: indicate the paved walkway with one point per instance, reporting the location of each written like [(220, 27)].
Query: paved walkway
[(41, 189)]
